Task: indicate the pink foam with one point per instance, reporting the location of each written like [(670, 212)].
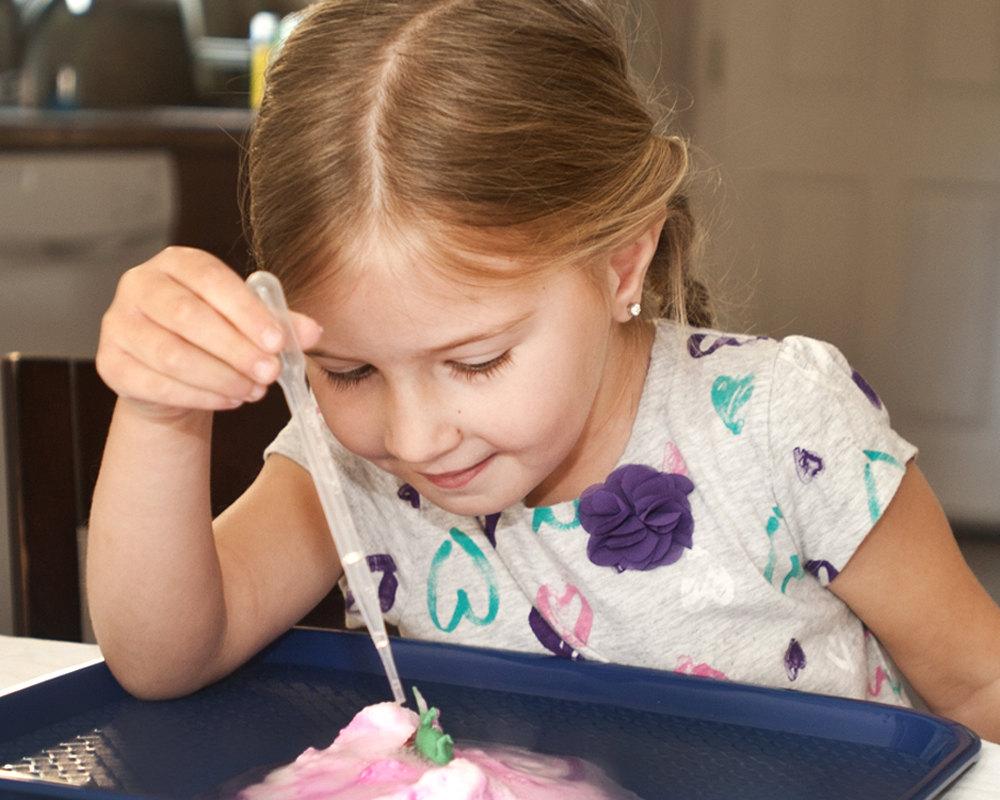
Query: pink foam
[(370, 760)]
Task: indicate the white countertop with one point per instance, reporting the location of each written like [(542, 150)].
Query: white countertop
[(24, 660)]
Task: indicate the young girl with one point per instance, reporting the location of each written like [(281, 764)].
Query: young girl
[(545, 445)]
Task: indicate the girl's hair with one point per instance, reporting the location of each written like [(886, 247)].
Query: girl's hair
[(506, 127)]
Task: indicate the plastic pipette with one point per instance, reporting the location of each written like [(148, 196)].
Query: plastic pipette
[(331, 495)]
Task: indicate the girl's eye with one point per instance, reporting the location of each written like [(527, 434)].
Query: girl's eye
[(345, 380), (484, 370)]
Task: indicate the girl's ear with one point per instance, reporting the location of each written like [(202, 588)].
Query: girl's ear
[(627, 268)]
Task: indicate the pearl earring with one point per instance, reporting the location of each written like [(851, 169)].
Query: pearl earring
[(634, 310)]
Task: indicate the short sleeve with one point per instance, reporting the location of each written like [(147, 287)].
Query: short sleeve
[(835, 460), (361, 481), (288, 443)]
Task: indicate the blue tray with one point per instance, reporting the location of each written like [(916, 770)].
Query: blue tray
[(662, 735)]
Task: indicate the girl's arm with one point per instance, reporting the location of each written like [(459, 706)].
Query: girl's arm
[(910, 585), (177, 601), (174, 606)]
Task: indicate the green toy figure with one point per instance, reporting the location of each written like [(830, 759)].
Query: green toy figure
[(431, 742)]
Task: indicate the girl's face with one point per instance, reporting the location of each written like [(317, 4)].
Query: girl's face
[(474, 396)]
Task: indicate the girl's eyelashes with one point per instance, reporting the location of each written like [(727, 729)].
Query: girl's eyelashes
[(345, 380), (484, 369), (470, 372)]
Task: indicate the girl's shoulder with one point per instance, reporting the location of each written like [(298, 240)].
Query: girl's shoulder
[(786, 432), (689, 351), (703, 347), (730, 388), (687, 364)]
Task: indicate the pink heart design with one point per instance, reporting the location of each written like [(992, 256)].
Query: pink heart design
[(577, 636), (673, 461), (687, 666)]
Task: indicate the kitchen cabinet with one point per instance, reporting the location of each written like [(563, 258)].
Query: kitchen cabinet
[(85, 195)]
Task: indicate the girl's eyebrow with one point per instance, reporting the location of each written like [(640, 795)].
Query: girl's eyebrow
[(477, 337)]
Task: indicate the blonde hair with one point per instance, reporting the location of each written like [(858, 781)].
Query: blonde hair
[(505, 127)]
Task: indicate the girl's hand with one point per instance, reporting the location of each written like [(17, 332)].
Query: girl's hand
[(184, 333)]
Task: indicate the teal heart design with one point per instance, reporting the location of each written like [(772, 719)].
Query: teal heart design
[(463, 606), (874, 457), (729, 395), (544, 515)]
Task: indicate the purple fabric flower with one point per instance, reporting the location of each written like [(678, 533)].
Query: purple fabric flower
[(638, 518)]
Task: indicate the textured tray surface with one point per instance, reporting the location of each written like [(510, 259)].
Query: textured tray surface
[(210, 744)]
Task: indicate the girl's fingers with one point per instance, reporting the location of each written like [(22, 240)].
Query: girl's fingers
[(148, 387), (199, 334), (168, 354), (176, 309), (307, 330), (223, 290)]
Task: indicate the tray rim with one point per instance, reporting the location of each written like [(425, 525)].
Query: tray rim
[(306, 644)]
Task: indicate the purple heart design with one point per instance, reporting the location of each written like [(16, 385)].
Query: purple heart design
[(547, 623), (822, 570), (696, 340), (488, 525), (387, 585), (807, 464), (795, 659), (695, 344), (409, 494), (865, 387)]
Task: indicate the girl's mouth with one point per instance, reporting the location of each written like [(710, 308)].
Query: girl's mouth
[(459, 479)]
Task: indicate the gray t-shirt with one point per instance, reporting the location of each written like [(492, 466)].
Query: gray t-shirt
[(754, 470)]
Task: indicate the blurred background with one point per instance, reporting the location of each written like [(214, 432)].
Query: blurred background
[(847, 170)]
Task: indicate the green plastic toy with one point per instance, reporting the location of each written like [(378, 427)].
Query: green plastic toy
[(431, 742)]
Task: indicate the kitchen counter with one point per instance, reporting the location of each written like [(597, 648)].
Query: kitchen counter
[(23, 659), (206, 146), (143, 127)]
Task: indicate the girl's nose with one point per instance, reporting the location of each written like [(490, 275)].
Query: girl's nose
[(418, 428)]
